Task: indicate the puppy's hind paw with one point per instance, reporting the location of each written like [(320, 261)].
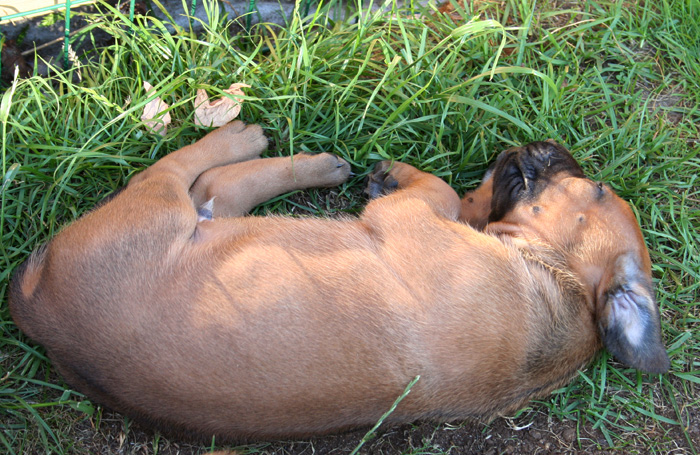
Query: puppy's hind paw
[(242, 142), (252, 138), (331, 170), (234, 127), (380, 182)]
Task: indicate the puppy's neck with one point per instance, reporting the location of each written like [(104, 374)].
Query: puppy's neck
[(562, 308), (552, 272)]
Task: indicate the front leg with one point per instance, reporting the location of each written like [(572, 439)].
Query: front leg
[(399, 182)]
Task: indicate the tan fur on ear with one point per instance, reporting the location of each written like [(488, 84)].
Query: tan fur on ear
[(628, 318), (476, 205)]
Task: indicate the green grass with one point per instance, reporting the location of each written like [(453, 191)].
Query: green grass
[(617, 84)]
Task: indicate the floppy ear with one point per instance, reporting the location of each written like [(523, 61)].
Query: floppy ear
[(476, 204), (628, 318)]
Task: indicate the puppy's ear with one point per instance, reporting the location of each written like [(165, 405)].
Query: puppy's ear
[(628, 318), (476, 204)]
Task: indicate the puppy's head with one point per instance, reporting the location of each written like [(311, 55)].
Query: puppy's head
[(539, 194)]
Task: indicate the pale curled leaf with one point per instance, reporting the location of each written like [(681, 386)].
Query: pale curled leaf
[(220, 112), (155, 113)]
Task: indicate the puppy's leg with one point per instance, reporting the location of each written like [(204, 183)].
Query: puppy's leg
[(155, 212), (231, 143), (401, 181), (237, 188)]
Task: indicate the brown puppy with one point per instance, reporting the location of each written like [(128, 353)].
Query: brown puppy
[(269, 327)]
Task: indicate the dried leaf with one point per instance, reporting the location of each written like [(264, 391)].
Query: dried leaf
[(219, 112), (155, 113)]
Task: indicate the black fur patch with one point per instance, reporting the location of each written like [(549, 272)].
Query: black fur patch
[(523, 172)]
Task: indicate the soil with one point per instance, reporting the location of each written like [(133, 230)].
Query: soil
[(533, 432), (501, 437)]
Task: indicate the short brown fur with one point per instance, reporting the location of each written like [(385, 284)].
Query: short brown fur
[(267, 327)]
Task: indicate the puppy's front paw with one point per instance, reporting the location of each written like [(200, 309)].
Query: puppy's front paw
[(380, 181)]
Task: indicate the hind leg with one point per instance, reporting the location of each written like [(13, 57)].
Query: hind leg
[(232, 143), (237, 188), (156, 203)]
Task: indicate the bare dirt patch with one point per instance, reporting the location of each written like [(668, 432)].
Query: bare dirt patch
[(534, 432)]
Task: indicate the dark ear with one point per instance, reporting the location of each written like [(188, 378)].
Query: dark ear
[(628, 318)]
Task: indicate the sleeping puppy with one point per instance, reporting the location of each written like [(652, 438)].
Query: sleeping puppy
[(169, 305)]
